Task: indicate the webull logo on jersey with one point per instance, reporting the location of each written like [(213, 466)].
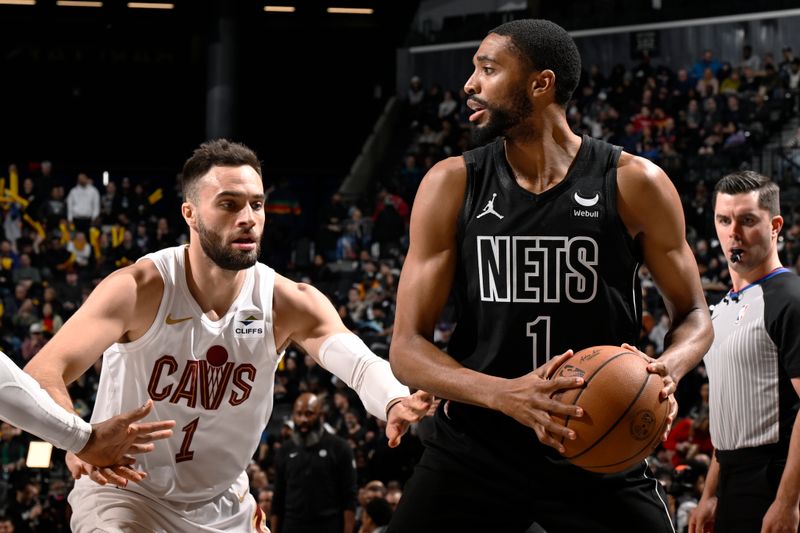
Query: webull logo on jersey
[(537, 269), (248, 326), (586, 206)]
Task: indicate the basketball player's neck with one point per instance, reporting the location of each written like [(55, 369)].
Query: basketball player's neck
[(213, 288), (543, 152)]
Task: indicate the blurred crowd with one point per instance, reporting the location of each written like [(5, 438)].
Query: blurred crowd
[(62, 234)]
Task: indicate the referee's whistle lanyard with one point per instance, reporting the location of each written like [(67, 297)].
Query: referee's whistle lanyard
[(735, 295)]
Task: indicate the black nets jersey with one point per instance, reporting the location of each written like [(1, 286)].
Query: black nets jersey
[(541, 273)]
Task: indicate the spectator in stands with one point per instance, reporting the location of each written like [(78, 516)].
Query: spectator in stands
[(707, 61), (80, 251), (415, 97), (749, 59), (109, 204), (51, 321), (26, 270), (448, 106), (83, 204), (13, 448), (53, 209), (34, 341), (376, 516), (25, 509), (708, 85)]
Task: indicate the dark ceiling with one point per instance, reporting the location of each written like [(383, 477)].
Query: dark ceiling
[(112, 86)]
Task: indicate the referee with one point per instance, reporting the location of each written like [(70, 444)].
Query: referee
[(753, 484)]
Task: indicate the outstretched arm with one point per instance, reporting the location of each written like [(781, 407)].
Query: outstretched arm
[(425, 284), (125, 302), (304, 315), (26, 405)]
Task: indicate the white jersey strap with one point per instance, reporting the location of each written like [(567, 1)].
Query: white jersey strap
[(349, 359)]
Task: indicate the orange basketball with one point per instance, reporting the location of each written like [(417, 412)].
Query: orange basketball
[(623, 418)]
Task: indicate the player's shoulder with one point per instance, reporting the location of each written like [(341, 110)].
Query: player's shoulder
[(447, 172), (295, 297), (140, 280), (638, 172), (443, 187)]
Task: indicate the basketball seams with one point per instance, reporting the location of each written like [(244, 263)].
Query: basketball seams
[(650, 444), (586, 383), (624, 413), (638, 404)]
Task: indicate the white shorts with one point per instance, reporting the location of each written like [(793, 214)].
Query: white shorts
[(114, 510)]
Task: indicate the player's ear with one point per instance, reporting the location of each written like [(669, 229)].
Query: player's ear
[(543, 82), (189, 211)]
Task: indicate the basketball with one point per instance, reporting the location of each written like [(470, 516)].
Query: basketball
[(623, 418)]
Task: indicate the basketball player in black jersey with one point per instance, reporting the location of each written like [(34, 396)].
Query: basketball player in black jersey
[(539, 234)]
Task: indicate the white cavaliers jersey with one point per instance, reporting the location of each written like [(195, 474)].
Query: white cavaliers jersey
[(213, 377)]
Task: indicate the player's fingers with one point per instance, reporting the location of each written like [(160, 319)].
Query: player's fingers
[(565, 409), (154, 435), (97, 477), (126, 460), (119, 473), (138, 413), (549, 368), (153, 427), (548, 440), (394, 432), (553, 385), (140, 448), (75, 471)]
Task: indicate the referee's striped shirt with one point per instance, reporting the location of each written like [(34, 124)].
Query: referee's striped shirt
[(755, 354)]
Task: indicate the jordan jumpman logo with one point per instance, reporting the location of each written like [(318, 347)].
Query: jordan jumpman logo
[(489, 209)]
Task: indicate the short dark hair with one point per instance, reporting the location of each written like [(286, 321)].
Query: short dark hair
[(219, 153), (379, 510), (749, 181), (546, 45)]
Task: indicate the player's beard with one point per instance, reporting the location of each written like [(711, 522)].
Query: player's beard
[(502, 119), (223, 256)]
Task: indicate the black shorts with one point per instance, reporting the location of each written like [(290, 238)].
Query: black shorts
[(748, 483), (468, 481)]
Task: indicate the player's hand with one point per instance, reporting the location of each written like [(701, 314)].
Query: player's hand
[(670, 386), (407, 411), (528, 400), (701, 519), (781, 518), (118, 475), (113, 440)]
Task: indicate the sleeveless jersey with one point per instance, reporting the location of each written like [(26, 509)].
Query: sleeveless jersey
[(541, 273), (214, 378), (537, 274)]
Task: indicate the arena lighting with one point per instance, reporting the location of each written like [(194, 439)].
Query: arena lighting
[(150, 5), (18, 2), (78, 3), (105, 178), (351, 10), (279, 9)]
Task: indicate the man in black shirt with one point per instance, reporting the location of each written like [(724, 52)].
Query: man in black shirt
[(540, 234), (315, 485)]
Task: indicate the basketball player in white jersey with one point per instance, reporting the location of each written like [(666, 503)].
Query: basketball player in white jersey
[(200, 330), (23, 403)]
